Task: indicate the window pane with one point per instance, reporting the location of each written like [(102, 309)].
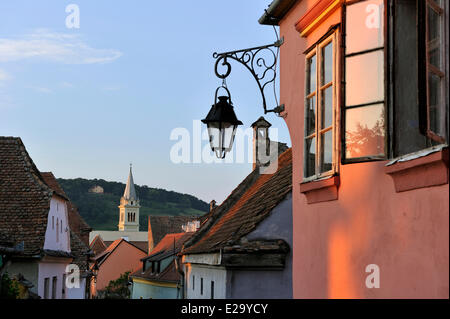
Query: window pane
[(365, 78), (327, 64), (310, 125), (364, 26), (327, 107), (364, 131), (437, 119), (310, 157), (311, 81), (326, 154), (433, 25)]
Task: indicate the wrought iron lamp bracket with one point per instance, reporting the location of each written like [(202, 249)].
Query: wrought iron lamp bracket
[(263, 73)]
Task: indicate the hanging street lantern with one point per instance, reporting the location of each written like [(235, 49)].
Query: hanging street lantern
[(221, 119), (222, 124)]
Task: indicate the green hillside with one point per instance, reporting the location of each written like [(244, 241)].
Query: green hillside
[(101, 212)]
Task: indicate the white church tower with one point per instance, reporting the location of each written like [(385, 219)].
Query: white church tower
[(129, 207)]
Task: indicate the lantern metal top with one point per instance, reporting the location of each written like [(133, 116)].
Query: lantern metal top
[(222, 111)]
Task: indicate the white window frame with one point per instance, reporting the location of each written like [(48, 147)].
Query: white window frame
[(316, 51)]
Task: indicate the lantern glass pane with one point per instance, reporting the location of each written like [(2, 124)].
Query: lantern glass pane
[(228, 135), (214, 134)]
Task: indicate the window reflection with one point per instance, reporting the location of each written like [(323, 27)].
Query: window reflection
[(310, 126), (364, 135), (327, 64), (365, 78), (364, 26), (327, 107), (326, 160), (310, 157), (311, 85)]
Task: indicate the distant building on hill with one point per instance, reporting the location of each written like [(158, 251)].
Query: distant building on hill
[(96, 189)]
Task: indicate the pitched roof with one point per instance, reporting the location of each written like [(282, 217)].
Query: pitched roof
[(98, 245), (245, 210), (169, 274), (24, 197), (170, 245), (51, 181), (143, 245), (100, 259), (159, 226), (80, 251), (130, 191)]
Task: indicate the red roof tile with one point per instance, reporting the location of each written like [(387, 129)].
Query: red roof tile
[(24, 197), (159, 226), (98, 245)]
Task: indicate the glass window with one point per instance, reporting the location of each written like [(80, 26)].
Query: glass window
[(364, 107), (46, 287), (54, 282), (319, 110), (364, 26), (435, 69), (201, 286), (365, 78)]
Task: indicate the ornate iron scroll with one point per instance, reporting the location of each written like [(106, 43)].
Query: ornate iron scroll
[(263, 72)]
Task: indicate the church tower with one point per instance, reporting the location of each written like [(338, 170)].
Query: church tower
[(129, 207)]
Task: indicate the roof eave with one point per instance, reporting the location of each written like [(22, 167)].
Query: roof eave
[(276, 12)]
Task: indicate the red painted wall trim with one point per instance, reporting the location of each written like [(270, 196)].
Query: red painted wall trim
[(427, 171), (321, 191), (312, 14)]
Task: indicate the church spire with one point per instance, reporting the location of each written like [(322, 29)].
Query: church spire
[(129, 207), (130, 192)]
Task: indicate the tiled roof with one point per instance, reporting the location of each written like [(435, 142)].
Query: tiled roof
[(170, 245), (98, 245), (169, 274), (24, 197), (143, 245), (159, 226), (51, 181), (79, 250), (249, 204)]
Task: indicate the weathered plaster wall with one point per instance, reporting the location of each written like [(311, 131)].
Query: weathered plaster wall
[(208, 273), (406, 234), (57, 235), (50, 270)]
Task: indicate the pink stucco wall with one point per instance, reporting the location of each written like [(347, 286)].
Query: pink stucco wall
[(406, 234), (124, 258)]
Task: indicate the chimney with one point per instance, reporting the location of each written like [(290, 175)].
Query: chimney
[(212, 205), (261, 142)]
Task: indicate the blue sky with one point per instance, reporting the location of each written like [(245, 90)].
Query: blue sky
[(87, 102)]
